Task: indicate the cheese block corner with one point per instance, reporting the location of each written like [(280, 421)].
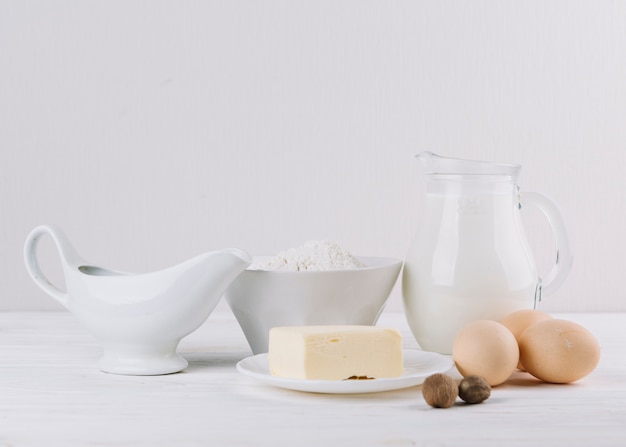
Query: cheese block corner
[(336, 352)]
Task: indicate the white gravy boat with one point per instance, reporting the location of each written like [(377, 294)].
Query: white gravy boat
[(139, 319)]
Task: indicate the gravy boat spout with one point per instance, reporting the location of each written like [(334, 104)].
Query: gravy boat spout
[(139, 318)]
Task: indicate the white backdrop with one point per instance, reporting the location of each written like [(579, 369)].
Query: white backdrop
[(151, 131)]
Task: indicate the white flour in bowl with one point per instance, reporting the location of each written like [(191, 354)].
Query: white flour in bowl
[(313, 255)]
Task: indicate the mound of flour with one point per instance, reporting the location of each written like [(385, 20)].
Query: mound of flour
[(313, 255)]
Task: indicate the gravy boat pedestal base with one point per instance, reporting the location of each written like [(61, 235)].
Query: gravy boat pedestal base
[(141, 360)]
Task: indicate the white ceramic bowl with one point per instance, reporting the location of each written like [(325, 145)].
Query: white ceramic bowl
[(262, 299)]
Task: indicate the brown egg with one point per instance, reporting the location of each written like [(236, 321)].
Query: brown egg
[(558, 351), (486, 348), (517, 322)]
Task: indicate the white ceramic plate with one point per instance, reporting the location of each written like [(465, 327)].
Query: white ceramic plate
[(417, 366)]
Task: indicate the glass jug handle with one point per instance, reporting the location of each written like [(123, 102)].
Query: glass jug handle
[(563, 264)]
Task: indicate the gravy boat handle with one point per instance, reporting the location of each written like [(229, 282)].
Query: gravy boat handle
[(32, 265)]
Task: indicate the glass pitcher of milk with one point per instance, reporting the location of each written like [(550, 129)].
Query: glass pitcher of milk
[(470, 259)]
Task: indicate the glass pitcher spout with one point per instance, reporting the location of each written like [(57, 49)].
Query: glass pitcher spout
[(433, 164)]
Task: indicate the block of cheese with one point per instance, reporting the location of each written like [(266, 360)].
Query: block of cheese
[(335, 352)]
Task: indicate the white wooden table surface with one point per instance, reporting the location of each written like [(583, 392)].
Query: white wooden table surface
[(51, 394)]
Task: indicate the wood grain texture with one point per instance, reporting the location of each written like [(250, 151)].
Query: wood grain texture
[(53, 395)]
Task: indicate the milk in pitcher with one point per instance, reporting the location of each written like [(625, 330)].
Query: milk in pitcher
[(473, 267)]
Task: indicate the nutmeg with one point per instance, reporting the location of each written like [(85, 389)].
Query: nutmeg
[(474, 389), (440, 390)]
